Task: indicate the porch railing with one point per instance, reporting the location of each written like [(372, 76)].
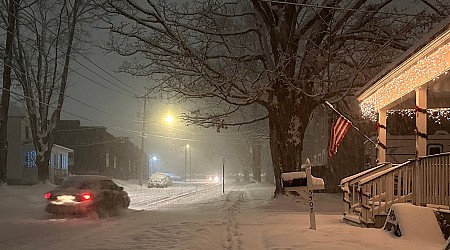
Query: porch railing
[(350, 188), (379, 191), (422, 182), (433, 180)]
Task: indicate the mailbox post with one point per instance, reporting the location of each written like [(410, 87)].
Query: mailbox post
[(303, 181), (312, 215)]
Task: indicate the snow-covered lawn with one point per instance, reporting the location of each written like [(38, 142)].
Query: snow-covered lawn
[(243, 218)]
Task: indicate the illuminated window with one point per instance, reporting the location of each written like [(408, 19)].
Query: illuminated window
[(65, 161), (27, 132), (30, 159)]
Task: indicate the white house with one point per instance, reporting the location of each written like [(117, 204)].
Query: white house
[(21, 166)]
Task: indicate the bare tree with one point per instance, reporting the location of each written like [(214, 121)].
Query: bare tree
[(287, 56), (46, 32)]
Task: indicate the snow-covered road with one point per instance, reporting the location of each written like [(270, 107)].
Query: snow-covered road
[(152, 211), (192, 215), (143, 198)]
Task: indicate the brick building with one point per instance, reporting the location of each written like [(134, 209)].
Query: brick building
[(96, 151)]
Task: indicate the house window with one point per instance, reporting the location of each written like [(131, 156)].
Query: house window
[(435, 149), (30, 159), (107, 160), (27, 132), (129, 166), (323, 127), (65, 161), (115, 162), (70, 159), (53, 160), (317, 131)]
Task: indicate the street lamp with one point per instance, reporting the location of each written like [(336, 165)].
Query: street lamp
[(153, 167), (190, 164), (169, 119), (185, 161)]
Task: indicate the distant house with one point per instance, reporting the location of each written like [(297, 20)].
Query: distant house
[(21, 164), (96, 151), (315, 147)]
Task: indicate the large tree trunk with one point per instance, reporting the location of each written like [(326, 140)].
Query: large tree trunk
[(4, 105), (42, 164), (287, 121)]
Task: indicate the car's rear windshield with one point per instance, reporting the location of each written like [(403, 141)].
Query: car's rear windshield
[(77, 184), (157, 176)]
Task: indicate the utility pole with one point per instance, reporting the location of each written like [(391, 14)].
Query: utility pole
[(190, 164), (185, 161), (142, 170)]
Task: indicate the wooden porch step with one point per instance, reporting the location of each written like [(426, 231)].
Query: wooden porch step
[(352, 219)]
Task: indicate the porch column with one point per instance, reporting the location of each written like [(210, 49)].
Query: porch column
[(421, 121), (381, 135), (421, 142)]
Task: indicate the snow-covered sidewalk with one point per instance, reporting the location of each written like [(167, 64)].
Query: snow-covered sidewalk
[(243, 218)]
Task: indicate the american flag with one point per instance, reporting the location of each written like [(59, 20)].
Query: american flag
[(338, 131)]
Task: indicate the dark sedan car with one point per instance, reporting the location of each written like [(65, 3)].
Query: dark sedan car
[(83, 194)]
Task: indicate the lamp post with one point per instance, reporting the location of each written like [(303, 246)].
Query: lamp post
[(190, 164), (153, 167), (141, 169), (185, 160)]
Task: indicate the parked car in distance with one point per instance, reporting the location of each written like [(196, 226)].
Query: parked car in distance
[(174, 177), (83, 194), (159, 180)]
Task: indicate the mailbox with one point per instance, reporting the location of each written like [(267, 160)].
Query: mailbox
[(297, 181)]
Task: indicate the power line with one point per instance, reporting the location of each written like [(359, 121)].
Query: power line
[(72, 70), (117, 79), (113, 127), (79, 116), (83, 103), (74, 59), (347, 9)]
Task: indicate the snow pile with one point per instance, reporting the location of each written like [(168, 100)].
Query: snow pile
[(293, 175), (418, 223)]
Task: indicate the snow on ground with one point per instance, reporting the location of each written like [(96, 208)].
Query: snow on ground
[(243, 218)]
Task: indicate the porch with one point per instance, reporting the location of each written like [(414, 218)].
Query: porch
[(418, 82), (369, 195)]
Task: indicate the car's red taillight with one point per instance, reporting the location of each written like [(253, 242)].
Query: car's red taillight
[(86, 197), (48, 195)]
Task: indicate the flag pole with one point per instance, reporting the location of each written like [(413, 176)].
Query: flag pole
[(351, 123)]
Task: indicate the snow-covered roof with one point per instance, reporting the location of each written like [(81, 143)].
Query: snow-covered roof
[(437, 30)]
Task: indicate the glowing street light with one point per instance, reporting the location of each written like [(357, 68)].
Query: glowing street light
[(169, 119)]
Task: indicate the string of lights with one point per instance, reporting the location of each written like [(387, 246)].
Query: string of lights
[(424, 70), (436, 115)]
